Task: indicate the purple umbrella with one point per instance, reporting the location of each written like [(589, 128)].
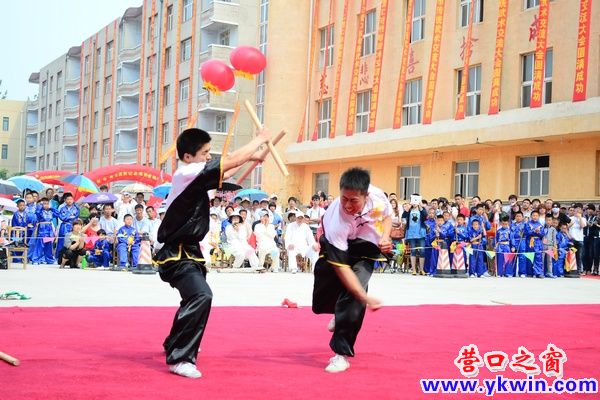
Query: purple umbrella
[(99, 198)]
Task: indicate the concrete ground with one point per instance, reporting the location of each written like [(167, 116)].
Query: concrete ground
[(49, 286)]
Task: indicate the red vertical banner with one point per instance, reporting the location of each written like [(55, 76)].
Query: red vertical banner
[(498, 57), (378, 61), (403, 65), (354, 83), (540, 55), (583, 44), (464, 84), (322, 81), (338, 72), (140, 135), (434, 61), (311, 61)]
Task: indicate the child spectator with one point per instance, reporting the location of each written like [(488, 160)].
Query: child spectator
[(477, 266), (128, 243), (549, 244), (503, 247), (101, 255), (73, 246), (518, 244)]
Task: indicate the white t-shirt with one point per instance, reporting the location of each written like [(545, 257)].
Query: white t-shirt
[(315, 213), (184, 175), (340, 227), (299, 235), (576, 230)]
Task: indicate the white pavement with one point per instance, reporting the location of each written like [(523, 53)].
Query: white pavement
[(49, 287)]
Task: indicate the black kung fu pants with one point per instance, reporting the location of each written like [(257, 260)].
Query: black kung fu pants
[(331, 297), (189, 278)]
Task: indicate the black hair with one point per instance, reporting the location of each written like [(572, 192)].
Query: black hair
[(101, 232), (535, 210), (578, 205), (460, 215), (237, 198), (458, 195), (138, 193), (148, 208), (127, 215), (504, 218), (232, 209), (538, 200), (439, 216), (107, 205), (66, 195), (356, 179), (591, 207), (477, 197), (315, 197), (435, 199), (512, 196), (323, 196), (34, 192), (518, 212), (103, 187), (527, 200), (190, 141), (255, 202), (44, 199), (480, 205), (272, 205), (78, 222), (292, 198), (138, 206), (20, 201)]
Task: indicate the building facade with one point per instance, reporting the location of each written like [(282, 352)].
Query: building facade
[(347, 98), (124, 94), (12, 136)]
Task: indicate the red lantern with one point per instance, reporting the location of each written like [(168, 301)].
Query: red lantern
[(217, 76), (247, 61)]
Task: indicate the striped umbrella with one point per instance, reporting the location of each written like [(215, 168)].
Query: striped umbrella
[(81, 183)]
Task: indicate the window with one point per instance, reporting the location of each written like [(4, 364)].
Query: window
[(95, 119), (534, 176), (166, 95), (326, 46), (224, 37), (324, 119), (369, 36), (98, 57), (465, 12), (221, 123), (95, 150), (83, 152), (170, 18), (84, 124), (418, 21), (55, 159), (43, 138), (150, 63), (85, 95), (49, 139), (43, 114), (50, 115), (56, 133), (5, 124), (411, 109), (321, 182), (187, 10), (105, 145), (58, 80), (107, 85), (473, 102), (184, 89), (410, 181), (97, 89), (41, 162), (108, 56), (86, 64), (260, 96), (51, 83), (168, 57), (466, 178), (186, 49), (181, 125), (58, 107), (531, 3), (528, 61), (166, 135), (44, 88), (4, 151), (152, 32), (363, 108), (107, 116)]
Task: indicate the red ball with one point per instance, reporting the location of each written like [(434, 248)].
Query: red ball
[(248, 59), (217, 75)]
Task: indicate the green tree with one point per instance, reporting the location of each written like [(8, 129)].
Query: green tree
[(3, 173), (2, 95)]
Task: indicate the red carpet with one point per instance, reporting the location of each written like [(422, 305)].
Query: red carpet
[(275, 353)]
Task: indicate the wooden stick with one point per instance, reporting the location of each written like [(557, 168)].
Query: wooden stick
[(9, 359), (262, 155), (272, 149)]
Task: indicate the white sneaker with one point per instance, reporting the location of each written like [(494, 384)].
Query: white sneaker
[(331, 324), (294, 271), (486, 275), (337, 363), (523, 276), (186, 369)]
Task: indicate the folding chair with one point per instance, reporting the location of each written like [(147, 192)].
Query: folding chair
[(18, 235)]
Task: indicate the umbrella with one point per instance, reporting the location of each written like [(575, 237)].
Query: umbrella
[(229, 187), (253, 194), (24, 182), (137, 188), (162, 191), (8, 187), (82, 184), (154, 201), (99, 198), (8, 205)]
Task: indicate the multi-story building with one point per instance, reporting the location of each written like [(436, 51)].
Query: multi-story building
[(342, 96), (12, 136), (138, 73)]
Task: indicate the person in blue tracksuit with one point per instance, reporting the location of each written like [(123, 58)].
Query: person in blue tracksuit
[(481, 216), (21, 219), (534, 235), (448, 233), (563, 242), (41, 247), (461, 235), (128, 242), (477, 266), (435, 238), (101, 255), (430, 224), (67, 213), (503, 235), (518, 244), (30, 210)]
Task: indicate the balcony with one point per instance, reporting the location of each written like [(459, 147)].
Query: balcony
[(130, 54), (128, 88), (216, 102), (219, 14), (33, 105), (217, 52), (69, 139), (31, 146), (71, 112), (125, 157), (69, 155), (72, 84)]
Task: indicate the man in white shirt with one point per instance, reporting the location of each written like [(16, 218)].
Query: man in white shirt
[(218, 209), (109, 223), (265, 241), (356, 231), (263, 205), (140, 223), (237, 241), (314, 214), (126, 206), (154, 223), (578, 222), (274, 199), (299, 239)]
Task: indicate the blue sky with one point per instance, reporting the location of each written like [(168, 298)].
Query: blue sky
[(35, 32)]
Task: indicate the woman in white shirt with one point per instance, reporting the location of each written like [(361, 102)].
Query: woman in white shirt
[(237, 239), (265, 241)]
